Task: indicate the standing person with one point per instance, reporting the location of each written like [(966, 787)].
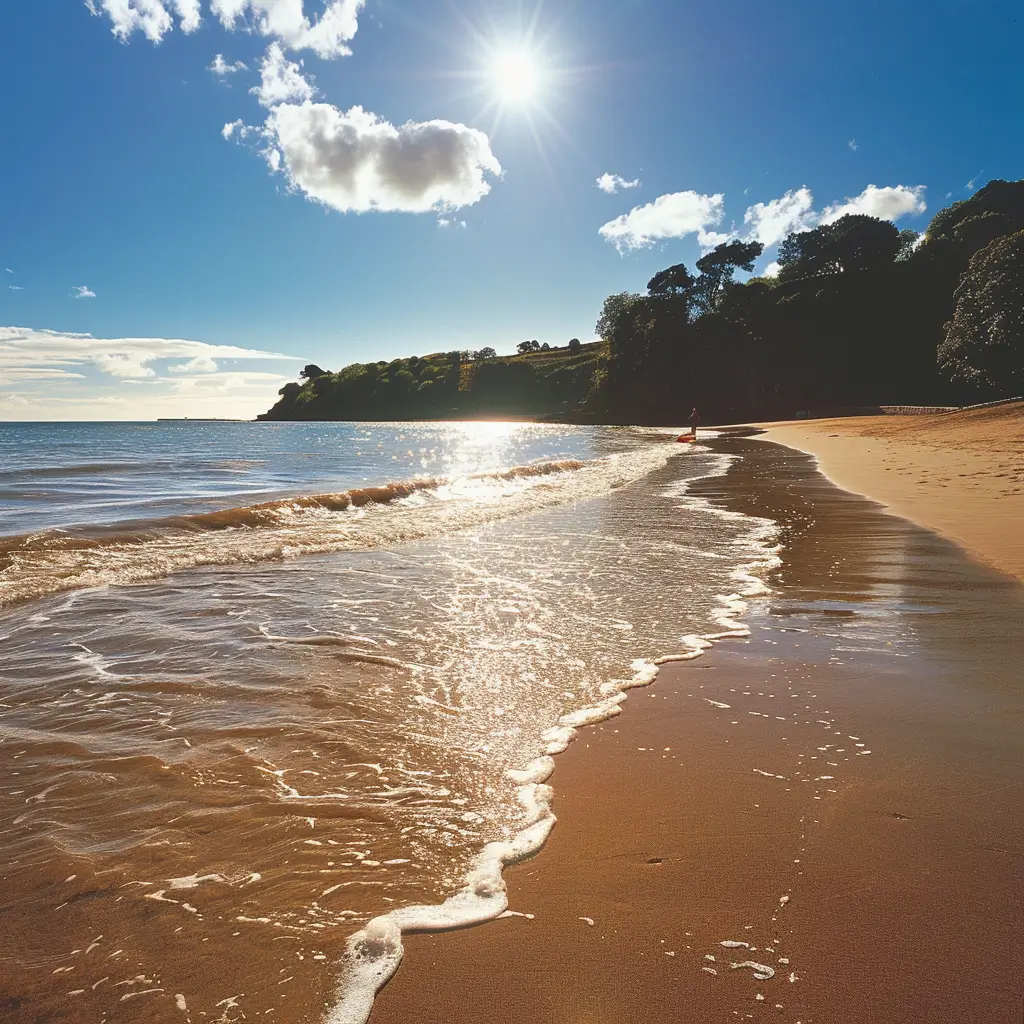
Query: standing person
[(694, 422)]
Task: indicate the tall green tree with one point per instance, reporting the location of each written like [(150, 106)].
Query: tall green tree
[(854, 242), (718, 267), (984, 343)]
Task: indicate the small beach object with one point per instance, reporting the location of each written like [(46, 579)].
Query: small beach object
[(762, 972), (686, 438)]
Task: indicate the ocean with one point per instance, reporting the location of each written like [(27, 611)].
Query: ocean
[(272, 694)]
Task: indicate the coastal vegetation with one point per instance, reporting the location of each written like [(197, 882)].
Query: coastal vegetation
[(857, 314), (447, 385)]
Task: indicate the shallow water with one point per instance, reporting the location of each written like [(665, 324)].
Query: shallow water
[(292, 723)]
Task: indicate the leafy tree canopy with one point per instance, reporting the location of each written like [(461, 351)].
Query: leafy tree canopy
[(674, 281), (852, 243), (1005, 198), (984, 343), (311, 371)]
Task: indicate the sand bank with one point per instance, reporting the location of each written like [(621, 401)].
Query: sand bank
[(961, 474), (834, 802)]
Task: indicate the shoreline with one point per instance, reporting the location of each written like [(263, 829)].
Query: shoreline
[(709, 825), (960, 474)]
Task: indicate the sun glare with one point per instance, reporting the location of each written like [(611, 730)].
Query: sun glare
[(517, 78)]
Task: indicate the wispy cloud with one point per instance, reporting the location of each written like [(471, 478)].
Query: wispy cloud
[(221, 67), (82, 291), (8, 269), (853, 145), (56, 375), (27, 348), (612, 183), (15, 287)]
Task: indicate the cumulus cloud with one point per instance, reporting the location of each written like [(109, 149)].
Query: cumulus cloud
[(769, 223), (153, 18), (231, 127), (709, 239), (221, 67), (884, 203), (82, 291), (198, 364), (772, 270), (611, 183), (281, 80), (355, 161), (670, 216), (286, 21)]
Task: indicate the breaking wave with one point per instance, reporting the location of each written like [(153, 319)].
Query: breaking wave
[(52, 561)]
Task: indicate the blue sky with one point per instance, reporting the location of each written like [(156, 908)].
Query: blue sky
[(210, 277)]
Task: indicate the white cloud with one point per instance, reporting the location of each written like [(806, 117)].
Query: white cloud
[(884, 203), (198, 364), (82, 291), (611, 183), (24, 349), (772, 270), (286, 21), (231, 127), (15, 287), (8, 269), (221, 67), (355, 161), (853, 145), (21, 374), (153, 18), (670, 216), (281, 80), (769, 223), (709, 239)]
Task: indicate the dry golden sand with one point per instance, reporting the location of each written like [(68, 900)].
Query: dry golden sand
[(960, 474), (842, 792)]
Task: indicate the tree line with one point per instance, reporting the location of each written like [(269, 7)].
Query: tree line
[(445, 385), (859, 314)]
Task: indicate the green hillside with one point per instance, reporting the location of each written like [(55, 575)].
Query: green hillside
[(445, 385)]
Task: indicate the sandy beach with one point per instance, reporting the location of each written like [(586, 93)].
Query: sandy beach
[(820, 823), (960, 474)]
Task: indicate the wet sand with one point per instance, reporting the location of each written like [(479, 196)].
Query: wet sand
[(841, 793), (960, 474)]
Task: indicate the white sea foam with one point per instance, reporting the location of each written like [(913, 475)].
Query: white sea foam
[(372, 518), (375, 953)]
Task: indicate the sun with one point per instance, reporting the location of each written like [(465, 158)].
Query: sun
[(517, 78)]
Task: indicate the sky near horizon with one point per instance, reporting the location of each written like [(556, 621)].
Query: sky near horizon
[(200, 196)]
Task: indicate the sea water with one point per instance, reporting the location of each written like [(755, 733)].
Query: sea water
[(273, 694)]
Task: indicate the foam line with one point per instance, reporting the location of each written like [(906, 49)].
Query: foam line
[(375, 953)]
